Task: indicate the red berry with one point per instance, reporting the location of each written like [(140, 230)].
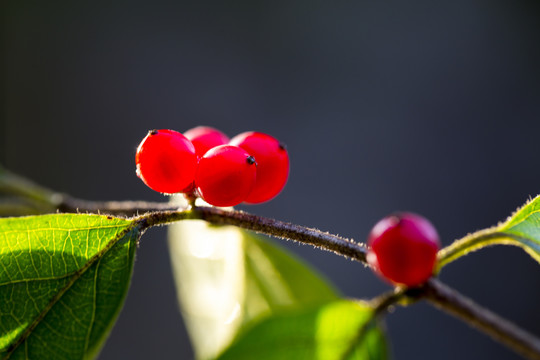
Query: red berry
[(272, 164), (403, 249), (204, 138), (166, 161), (225, 175)]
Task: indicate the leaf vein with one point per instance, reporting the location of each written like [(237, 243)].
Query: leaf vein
[(74, 277)]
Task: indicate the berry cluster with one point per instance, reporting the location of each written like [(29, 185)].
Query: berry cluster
[(251, 167), (403, 249)]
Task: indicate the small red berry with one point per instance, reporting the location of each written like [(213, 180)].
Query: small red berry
[(226, 175), (272, 164), (166, 161), (205, 137), (403, 249)]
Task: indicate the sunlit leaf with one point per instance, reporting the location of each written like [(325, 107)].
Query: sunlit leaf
[(226, 277), (63, 280), (338, 330), (521, 229)]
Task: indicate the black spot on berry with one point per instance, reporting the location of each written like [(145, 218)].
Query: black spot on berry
[(153, 132), (251, 160)]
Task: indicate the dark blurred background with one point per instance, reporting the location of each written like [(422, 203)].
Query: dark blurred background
[(432, 107)]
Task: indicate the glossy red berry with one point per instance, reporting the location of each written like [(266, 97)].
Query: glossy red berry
[(403, 249), (166, 161), (272, 164), (205, 138), (226, 175)]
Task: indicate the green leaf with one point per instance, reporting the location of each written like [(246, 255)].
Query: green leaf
[(339, 330), (63, 280), (226, 277), (521, 229), (20, 196)]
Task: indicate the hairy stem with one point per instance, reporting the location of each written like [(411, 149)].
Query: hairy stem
[(470, 243), (272, 227), (482, 319), (434, 291), (25, 196), (127, 208), (20, 196)]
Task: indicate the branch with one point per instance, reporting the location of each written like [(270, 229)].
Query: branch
[(484, 320), (284, 230), (127, 208), (470, 243), (20, 196), (381, 305), (38, 199), (33, 198), (259, 224), (434, 291)]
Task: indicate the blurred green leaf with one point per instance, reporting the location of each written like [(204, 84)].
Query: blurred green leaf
[(20, 196), (521, 229), (63, 280), (338, 330), (226, 277)]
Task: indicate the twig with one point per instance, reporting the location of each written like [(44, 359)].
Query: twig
[(161, 213), (381, 305), (17, 191), (470, 243), (434, 291), (127, 208), (284, 230), (276, 228), (490, 323)]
